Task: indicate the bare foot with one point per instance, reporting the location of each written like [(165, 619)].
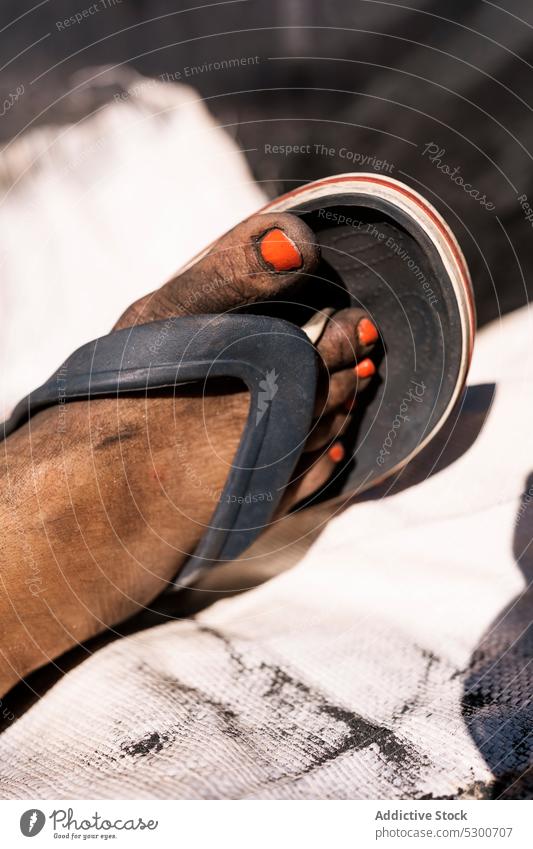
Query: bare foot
[(97, 519)]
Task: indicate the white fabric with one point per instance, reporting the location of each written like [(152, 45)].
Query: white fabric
[(344, 676), (96, 214)]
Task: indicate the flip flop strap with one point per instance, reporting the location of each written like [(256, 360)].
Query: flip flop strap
[(272, 357)]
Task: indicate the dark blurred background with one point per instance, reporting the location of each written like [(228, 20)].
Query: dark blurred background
[(381, 79)]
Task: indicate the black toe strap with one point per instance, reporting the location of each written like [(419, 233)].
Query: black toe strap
[(273, 358)]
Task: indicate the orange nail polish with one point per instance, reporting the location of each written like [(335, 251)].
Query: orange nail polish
[(336, 452), (367, 332), (280, 252), (365, 368)]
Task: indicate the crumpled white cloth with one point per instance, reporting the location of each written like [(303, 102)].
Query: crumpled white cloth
[(393, 660), (95, 214)]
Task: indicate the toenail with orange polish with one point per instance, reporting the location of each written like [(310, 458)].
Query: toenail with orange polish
[(365, 368), (280, 252), (367, 332), (336, 452)]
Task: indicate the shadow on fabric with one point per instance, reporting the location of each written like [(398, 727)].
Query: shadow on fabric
[(498, 692)]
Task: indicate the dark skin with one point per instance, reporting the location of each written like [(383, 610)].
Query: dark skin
[(98, 517)]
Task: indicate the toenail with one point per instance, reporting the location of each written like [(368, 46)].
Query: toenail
[(367, 332), (336, 452), (365, 368), (279, 252)]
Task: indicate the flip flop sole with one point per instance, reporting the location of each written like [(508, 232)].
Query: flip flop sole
[(393, 255)]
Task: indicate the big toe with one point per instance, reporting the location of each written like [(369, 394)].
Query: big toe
[(258, 260)]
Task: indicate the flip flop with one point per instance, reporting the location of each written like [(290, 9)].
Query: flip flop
[(178, 351), (385, 249)]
